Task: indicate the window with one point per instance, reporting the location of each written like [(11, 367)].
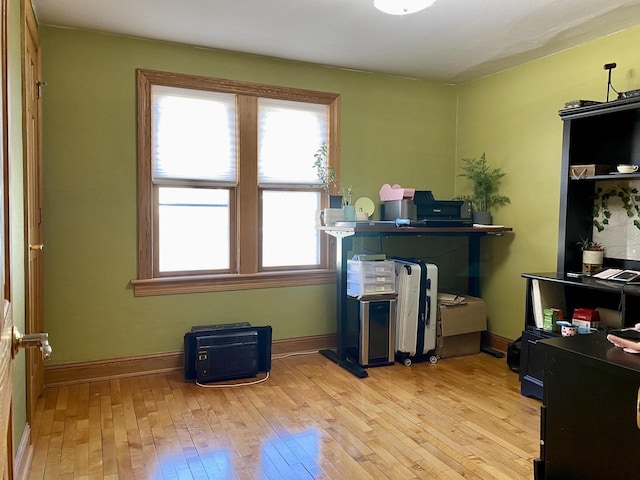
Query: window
[(227, 192)]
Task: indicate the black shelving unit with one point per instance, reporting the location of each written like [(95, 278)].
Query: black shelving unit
[(585, 292), (590, 417), (607, 134)]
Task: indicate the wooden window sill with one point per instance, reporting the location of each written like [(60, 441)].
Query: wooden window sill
[(221, 283)]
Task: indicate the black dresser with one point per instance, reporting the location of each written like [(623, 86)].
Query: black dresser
[(590, 417)]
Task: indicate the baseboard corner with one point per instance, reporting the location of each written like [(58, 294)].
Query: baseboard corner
[(495, 341)]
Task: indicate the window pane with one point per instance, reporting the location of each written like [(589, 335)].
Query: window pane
[(193, 135), (289, 134), (289, 234), (194, 229)]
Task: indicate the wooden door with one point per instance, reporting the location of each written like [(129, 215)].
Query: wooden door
[(6, 390), (33, 204), (6, 319)]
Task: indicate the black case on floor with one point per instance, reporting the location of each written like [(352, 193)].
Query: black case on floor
[(225, 351)]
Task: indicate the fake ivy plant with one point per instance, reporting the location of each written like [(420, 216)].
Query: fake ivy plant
[(628, 196)]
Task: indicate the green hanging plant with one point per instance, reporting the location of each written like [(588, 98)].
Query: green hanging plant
[(629, 198)]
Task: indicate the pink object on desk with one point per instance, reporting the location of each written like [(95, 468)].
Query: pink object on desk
[(396, 192)]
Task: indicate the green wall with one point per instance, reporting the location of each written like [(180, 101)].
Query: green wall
[(393, 130), (513, 117)]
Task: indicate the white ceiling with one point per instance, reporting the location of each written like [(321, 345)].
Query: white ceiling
[(453, 41)]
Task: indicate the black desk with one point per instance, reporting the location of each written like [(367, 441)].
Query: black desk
[(590, 417), (344, 241), (583, 292)]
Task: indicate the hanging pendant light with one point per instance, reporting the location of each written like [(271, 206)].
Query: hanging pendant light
[(402, 7)]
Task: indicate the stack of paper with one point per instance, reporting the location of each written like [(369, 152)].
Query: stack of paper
[(546, 295), (450, 299)]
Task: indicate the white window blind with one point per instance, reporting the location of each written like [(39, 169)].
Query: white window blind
[(193, 136), (302, 245), (193, 229), (289, 134)]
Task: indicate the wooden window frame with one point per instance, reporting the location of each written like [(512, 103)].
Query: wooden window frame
[(248, 275)]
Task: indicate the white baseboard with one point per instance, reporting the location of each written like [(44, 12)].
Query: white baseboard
[(24, 456)]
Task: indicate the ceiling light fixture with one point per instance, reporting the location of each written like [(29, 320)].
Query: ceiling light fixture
[(402, 7)]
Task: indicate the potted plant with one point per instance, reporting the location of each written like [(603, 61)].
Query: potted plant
[(348, 208), (327, 175), (592, 255), (484, 182)]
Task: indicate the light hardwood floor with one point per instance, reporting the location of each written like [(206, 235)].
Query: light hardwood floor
[(460, 418)]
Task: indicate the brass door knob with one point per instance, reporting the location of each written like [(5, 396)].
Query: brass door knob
[(32, 340), (37, 247)]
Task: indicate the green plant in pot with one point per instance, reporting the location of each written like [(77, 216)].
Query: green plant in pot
[(327, 175), (484, 181), (348, 208), (592, 255)]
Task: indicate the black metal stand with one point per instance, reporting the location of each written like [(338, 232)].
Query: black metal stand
[(491, 351), (344, 242), (348, 365)]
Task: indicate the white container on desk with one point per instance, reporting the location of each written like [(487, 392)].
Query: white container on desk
[(370, 277), (332, 215)]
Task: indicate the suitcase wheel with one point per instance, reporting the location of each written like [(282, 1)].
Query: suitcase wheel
[(433, 359), (407, 362)]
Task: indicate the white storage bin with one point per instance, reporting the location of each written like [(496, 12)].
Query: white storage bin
[(368, 278), (372, 267), (356, 290)]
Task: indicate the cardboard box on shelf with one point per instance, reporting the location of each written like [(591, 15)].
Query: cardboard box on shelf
[(580, 171), (551, 318), (461, 327), (586, 319)]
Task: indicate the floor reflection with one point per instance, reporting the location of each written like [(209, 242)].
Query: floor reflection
[(294, 455), (285, 456)]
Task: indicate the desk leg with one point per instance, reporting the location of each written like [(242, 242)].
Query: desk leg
[(343, 247), (474, 283), (474, 266), (339, 356)]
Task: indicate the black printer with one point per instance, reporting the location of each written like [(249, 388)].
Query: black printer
[(425, 209), (437, 213)]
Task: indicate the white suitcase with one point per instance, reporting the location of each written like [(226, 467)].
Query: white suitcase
[(416, 310)]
